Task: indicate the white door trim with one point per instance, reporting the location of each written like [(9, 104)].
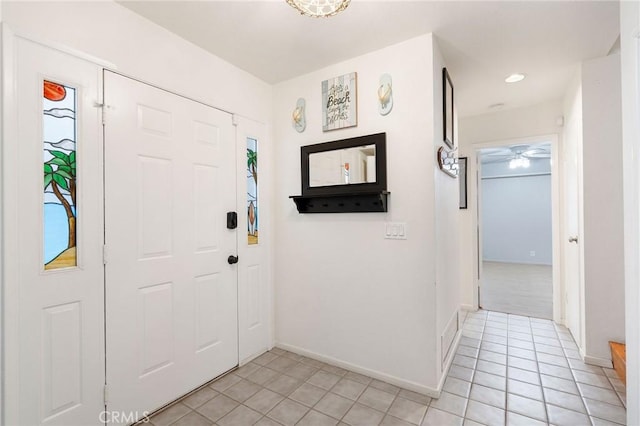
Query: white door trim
[(630, 39), (9, 212), (557, 207)]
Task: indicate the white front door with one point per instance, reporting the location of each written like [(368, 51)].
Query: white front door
[(54, 334), (171, 295)]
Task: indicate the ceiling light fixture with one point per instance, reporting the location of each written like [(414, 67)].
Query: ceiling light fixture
[(319, 8), (514, 78), (519, 162)]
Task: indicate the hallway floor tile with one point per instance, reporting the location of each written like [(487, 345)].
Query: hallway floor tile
[(508, 370)]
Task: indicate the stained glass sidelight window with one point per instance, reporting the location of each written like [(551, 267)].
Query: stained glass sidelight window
[(59, 141), (252, 190)]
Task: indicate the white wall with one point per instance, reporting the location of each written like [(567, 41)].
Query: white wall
[(478, 131), (516, 213), (603, 238), (630, 53), (446, 223), (343, 292), (144, 50), (511, 124), (593, 111)]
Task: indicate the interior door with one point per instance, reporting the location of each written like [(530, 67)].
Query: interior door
[(171, 295), (58, 228), (572, 270)]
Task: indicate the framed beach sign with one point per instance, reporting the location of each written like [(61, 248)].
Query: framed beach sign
[(339, 102)]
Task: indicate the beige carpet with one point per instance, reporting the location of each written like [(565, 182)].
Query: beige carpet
[(516, 288)]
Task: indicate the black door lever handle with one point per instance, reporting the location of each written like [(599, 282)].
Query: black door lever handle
[(232, 259)]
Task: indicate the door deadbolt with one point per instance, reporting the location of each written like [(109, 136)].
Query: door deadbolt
[(232, 220)]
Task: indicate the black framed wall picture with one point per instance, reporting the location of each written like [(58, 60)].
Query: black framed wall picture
[(462, 176), (447, 109)]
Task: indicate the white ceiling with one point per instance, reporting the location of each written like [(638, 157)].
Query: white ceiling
[(482, 41)]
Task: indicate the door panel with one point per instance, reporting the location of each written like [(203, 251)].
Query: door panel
[(60, 296), (171, 295), (253, 240)]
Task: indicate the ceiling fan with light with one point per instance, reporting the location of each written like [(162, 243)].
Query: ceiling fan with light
[(518, 156)]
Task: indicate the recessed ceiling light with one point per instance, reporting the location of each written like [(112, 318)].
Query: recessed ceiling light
[(514, 78)]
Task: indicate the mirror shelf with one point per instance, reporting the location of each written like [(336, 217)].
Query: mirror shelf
[(344, 176), (363, 202)]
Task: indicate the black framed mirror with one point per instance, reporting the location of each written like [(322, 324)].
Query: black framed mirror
[(344, 176), (348, 166)]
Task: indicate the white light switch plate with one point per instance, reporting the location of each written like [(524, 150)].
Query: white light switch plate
[(395, 230)]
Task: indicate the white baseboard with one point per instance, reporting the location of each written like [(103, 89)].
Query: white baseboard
[(600, 362), (403, 383), (468, 308)]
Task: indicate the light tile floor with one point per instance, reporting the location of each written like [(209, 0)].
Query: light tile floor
[(508, 370)]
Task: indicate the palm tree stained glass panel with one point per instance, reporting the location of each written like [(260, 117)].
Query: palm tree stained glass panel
[(252, 191), (59, 149)]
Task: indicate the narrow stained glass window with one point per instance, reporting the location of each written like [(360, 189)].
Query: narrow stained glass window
[(59, 141), (252, 191)]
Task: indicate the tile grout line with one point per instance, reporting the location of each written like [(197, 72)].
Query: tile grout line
[(340, 420), (535, 354), (624, 403), (506, 377), (575, 380), (473, 373), (386, 413), (581, 393)]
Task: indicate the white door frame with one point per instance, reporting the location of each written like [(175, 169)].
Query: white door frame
[(630, 39), (557, 207)]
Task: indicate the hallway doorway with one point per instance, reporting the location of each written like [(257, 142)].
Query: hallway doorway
[(517, 288), (515, 220)]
